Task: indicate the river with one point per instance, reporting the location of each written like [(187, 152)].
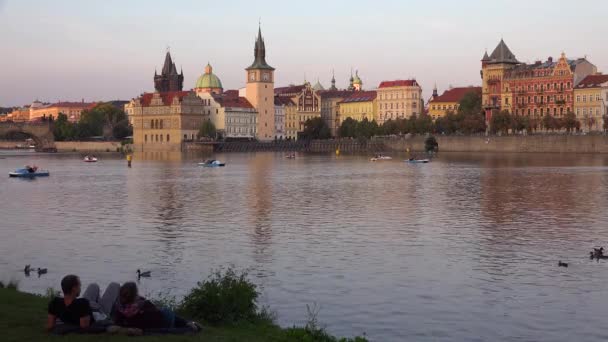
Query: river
[(463, 248)]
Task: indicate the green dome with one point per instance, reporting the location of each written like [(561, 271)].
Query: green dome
[(357, 79), (208, 79)]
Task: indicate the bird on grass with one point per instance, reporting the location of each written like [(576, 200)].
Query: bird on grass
[(562, 264), (141, 274)]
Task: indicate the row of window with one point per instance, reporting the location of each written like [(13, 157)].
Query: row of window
[(542, 87), (444, 107), (398, 105), (156, 124), (396, 95), (540, 99), (157, 138), (585, 111), (542, 111), (597, 97)]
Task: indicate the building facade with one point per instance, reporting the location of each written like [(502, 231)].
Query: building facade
[(534, 89), (280, 111), (308, 104), (398, 99), (359, 106), (449, 101), (591, 101), (232, 115), (260, 90), (162, 121), (72, 110), (169, 79), (330, 107)]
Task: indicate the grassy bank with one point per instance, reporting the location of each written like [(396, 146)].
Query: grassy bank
[(23, 315)]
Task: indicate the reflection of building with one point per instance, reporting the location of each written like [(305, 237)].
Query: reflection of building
[(260, 90), (162, 121), (169, 79), (590, 102), (360, 105), (330, 107), (208, 82), (398, 99), (449, 100), (530, 89)]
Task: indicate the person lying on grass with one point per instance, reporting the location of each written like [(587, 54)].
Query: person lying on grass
[(133, 311)]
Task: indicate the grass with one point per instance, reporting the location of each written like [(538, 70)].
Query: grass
[(23, 316)]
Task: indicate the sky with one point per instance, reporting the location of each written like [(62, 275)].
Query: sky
[(100, 50)]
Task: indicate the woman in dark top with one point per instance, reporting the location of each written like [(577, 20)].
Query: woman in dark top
[(136, 312)]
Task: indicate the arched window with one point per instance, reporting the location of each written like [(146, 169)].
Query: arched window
[(157, 138), (167, 137), (146, 138), (161, 138), (185, 137), (152, 124), (161, 124)]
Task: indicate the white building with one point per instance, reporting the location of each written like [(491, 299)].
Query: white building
[(232, 115), (279, 117)]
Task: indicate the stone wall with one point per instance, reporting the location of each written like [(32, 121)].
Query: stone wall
[(87, 146)]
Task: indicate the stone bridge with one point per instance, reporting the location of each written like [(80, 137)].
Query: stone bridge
[(41, 133)]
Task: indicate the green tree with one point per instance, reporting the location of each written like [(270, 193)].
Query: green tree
[(422, 124), (470, 103), (570, 122), (501, 121), (366, 128), (91, 123), (112, 117), (549, 122), (348, 128), (207, 130), (63, 129), (316, 128)]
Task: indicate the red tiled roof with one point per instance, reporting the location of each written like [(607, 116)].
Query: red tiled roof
[(283, 101), (592, 81), (455, 94), (167, 97), (398, 83), (232, 101), (361, 96), (294, 89), (231, 93), (335, 93)]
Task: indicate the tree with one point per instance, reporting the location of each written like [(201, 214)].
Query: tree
[(91, 123), (570, 122), (122, 129), (501, 121), (207, 130), (422, 124), (366, 129), (111, 116), (348, 128), (316, 128), (63, 129), (549, 122), (470, 103)]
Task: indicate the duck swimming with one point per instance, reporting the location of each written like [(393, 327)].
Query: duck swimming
[(141, 274), (562, 264), (42, 271)]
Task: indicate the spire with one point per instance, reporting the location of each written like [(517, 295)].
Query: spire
[(168, 64), (502, 54), (333, 80), (435, 94), (485, 56), (259, 52)]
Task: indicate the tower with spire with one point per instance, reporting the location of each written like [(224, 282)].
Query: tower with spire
[(351, 80), (333, 81), (259, 90), (169, 79)]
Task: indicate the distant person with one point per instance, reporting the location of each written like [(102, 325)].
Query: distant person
[(129, 158), (77, 314), (133, 311)]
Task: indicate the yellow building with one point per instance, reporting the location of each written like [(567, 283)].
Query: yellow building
[(360, 105), (162, 121), (449, 100), (590, 102), (399, 99), (330, 107), (309, 105), (72, 110)]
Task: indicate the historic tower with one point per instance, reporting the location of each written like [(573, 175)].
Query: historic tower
[(493, 69), (169, 79), (260, 90)]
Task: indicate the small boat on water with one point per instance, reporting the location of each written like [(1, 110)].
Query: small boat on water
[(380, 157), (212, 163), (29, 172), (89, 159), (290, 156), (417, 161)]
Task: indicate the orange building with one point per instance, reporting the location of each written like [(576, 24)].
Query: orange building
[(73, 110)]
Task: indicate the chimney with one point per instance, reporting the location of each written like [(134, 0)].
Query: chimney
[(550, 59), (537, 63)]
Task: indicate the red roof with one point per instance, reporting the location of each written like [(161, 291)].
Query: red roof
[(592, 81), (283, 101), (167, 97), (87, 105), (227, 100), (398, 83), (231, 93), (361, 96), (335, 93), (455, 94), (293, 89)]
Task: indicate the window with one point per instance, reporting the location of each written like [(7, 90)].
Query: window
[(161, 138), (185, 137), (146, 138), (584, 98), (578, 98), (167, 137), (152, 124), (161, 125)]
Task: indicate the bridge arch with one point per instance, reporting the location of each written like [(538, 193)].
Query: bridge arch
[(41, 133)]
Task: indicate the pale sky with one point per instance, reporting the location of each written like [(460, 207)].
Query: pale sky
[(108, 49)]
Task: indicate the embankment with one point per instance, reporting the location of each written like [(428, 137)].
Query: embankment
[(88, 146)]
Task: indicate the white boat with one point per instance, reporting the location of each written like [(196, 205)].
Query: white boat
[(212, 163), (417, 161), (380, 157), (88, 159)]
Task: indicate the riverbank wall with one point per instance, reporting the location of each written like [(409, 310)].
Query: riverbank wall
[(88, 146), (489, 144)]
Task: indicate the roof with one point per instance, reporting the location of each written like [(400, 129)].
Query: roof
[(592, 81), (325, 94), (502, 54), (318, 86), (231, 93), (455, 94), (208, 81), (167, 97), (259, 53), (398, 83), (292, 89), (283, 101), (228, 100), (361, 96), (522, 69), (72, 105)]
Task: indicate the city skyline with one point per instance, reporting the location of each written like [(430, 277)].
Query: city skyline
[(71, 51)]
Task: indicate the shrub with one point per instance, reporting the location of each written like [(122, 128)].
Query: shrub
[(11, 285), (312, 332), (225, 297), (431, 145)]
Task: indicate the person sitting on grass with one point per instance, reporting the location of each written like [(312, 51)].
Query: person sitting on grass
[(133, 311), (79, 314)]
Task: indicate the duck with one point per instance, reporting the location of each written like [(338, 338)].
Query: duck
[(42, 271), (27, 269), (562, 264), (141, 274)]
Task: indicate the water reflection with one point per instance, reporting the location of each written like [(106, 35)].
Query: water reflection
[(259, 204)]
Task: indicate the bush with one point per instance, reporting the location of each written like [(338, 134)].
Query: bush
[(312, 332), (431, 145), (11, 285), (224, 298)]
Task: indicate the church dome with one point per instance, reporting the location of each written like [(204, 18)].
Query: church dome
[(208, 80), (357, 79)]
